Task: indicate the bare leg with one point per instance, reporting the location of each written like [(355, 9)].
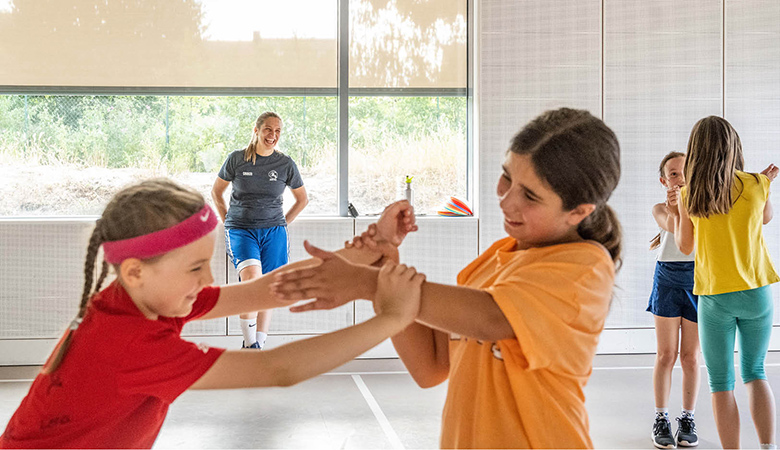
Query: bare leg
[(724, 406), (689, 360), (762, 408), (264, 320), (246, 274), (667, 330)]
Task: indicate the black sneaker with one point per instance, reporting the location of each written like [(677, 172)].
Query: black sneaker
[(686, 432), (662, 433)]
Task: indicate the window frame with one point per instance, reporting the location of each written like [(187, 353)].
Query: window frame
[(343, 92)]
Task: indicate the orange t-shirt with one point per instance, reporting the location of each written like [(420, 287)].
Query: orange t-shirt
[(528, 392)]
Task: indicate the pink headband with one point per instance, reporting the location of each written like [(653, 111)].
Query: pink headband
[(163, 241)]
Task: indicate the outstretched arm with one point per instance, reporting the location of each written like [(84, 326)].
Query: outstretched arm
[(457, 309), (256, 295), (301, 360), (396, 222), (423, 346)]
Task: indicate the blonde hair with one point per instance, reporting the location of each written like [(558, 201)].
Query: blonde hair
[(655, 242), (136, 210), (714, 155), (249, 152)]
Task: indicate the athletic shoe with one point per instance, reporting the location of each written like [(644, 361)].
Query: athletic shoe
[(662, 433), (686, 432), (254, 345)]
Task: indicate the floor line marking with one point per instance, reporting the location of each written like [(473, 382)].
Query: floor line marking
[(651, 367), (380, 416), (397, 372)]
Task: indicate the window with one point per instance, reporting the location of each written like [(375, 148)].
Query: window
[(101, 94), (391, 137), (67, 155)]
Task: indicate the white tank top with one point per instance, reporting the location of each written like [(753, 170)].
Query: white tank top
[(668, 251)]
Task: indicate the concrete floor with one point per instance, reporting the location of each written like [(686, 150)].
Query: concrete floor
[(374, 404)]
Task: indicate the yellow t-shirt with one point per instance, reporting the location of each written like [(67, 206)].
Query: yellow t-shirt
[(528, 392), (731, 254)]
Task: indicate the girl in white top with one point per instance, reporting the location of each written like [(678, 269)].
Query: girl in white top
[(674, 310)]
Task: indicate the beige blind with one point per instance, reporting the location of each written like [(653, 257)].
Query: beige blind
[(169, 43), (407, 43)]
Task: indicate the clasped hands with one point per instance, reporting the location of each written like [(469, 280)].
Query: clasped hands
[(336, 281)]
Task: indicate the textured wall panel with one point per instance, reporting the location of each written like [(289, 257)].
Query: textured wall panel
[(41, 275), (662, 73), (329, 234), (440, 249), (534, 56)]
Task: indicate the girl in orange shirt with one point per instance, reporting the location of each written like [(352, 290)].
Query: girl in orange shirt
[(516, 338)]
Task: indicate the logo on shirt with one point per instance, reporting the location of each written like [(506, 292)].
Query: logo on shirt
[(494, 349), (496, 352), (203, 347), (247, 174), (272, 175)]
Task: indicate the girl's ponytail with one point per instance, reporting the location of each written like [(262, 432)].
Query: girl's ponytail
[(143, 208), (604, 227), (655, 242), (95, 241)]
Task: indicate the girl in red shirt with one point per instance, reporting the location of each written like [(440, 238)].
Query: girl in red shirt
[(110, 380)]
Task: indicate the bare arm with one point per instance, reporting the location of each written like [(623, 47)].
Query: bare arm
[(217, 195), (301, 200), (398, 221), (683, 227), (452, 309), (425, 352), (424, 346), (663, 218), (768, 212), (396, 305), (297, 361), (255, 295), (770, 172)]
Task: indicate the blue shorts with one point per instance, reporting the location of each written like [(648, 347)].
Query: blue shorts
[(268, 248), (672, 294)]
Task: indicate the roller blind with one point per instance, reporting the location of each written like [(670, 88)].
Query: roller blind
[(407, 44), (160, 43)]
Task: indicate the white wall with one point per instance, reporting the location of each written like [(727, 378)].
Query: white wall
[(650, 69)]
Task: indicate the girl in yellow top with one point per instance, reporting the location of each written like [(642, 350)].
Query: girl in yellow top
[(723, 210), (516, 338)]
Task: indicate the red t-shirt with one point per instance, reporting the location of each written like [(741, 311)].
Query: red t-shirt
[(113, 388)]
